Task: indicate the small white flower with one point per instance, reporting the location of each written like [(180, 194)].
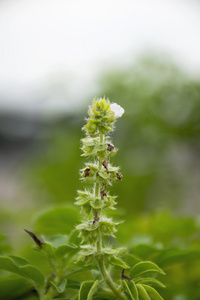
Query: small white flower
[(117, 109)]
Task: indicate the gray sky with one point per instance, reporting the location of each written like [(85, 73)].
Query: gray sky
[(42, 41)]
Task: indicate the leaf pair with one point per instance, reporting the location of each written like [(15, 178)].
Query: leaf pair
[(88, 289), (140, 291), (145, 268), (21, 267), (140, 287)]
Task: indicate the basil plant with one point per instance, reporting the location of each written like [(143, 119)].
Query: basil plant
[(87, 264)]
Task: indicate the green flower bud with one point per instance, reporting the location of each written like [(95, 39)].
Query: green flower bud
[(91, 128), (101, 118)]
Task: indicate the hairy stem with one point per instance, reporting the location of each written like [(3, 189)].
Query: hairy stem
[(99, 257), (109, 280)]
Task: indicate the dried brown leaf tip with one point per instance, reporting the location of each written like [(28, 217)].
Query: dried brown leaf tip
[(87, 172), (35, 238), (123, 276), (105, 164), (96, 218), (102, 192), (110, 147), (119, 176)]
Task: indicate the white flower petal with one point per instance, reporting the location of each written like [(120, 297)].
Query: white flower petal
[(117, 109)]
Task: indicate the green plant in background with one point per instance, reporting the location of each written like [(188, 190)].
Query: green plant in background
[(59, 267)]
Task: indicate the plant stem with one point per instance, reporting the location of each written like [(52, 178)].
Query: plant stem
[(99, 257), (109, 280)]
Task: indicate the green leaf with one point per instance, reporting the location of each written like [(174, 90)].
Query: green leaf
[(86, 254), (70, 294), (144, 267), (145, 251), (49, 250), (121, 252), (104, 175), (7, 264), (84, 289), (73, 284), (101, 147), (97, 203), (153, 294), (107, 226), (58, 240), (64, 249), (33, 273), (110, 251), (132, 259), (19, 261), (133, 289), (151, 281), (93, 290), (126, 287), (83, 197), (79, 274), (173, 256), (113, 260), (60, 220), (142, 292), (14, 287), (89, 141), (73, 237), (61, 287), (26, 271)]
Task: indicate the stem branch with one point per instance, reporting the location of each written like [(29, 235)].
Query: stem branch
[(109, 280)]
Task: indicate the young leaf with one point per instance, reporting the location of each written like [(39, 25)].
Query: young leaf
[(79, 274), (19, 261), (64, 249), (24, 270), (61, 287), (113, 260), (104, 175), (93, 290), (151, 281), (7, 264), (144, 267), (73, 237), (49, 250), (126, 287), (32, 273), (84, 290), (153, 294), (133, 289), (142, 292), (70, 294)]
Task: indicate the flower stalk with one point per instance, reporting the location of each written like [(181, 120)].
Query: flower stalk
[(99, 172)]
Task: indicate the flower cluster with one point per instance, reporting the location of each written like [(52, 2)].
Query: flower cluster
[(99, 172)]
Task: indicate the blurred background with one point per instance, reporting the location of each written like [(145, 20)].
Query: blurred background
[(55, 57)]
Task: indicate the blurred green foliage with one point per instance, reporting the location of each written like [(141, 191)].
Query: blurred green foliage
[(159, 145), (172, 243), (158, 138)]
